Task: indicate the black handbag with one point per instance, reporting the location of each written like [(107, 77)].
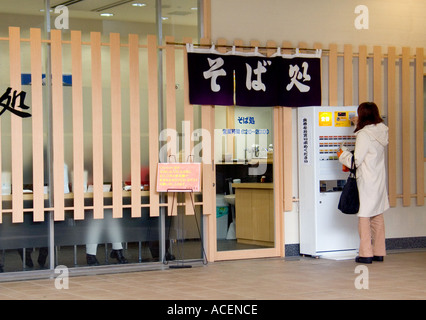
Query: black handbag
[(349, 199)]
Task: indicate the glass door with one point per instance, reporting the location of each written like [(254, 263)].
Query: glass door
[(243, 153)]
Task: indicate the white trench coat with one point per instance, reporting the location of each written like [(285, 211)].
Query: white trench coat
[(370, 145)]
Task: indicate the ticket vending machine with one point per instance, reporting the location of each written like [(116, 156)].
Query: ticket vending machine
[(325, 232)]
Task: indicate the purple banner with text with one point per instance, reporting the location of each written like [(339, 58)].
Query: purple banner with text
[(254, 79)]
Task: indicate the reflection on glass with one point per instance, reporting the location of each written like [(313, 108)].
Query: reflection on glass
[(244, 179), (180, 18), (107, 241)]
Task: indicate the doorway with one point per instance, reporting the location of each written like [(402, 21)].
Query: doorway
[(246, 224)]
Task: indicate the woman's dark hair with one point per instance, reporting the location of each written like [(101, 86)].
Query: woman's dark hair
[(368, 113)]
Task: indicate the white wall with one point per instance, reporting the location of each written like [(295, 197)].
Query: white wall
[(391, 23)]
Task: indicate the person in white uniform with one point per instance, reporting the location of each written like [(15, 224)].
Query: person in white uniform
[(371, 141)]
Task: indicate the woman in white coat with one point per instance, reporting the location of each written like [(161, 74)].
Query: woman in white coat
[(371, 141)]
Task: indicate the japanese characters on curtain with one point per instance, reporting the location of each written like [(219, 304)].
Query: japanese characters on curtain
[(252, 79)]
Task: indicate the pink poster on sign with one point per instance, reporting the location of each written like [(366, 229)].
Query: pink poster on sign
[(179, 177)]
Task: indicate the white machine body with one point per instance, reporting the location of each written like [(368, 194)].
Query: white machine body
[(324, 230)]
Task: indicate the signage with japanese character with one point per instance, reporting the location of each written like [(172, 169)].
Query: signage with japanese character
[(211, 79), (8, 102), (254, 80), (302, 82)]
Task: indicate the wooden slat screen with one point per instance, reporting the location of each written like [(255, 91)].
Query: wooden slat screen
[(388, 69)]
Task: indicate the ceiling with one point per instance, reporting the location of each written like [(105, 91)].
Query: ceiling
[(180, 12)]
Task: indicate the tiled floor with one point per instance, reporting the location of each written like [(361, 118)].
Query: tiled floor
[(400, 276)]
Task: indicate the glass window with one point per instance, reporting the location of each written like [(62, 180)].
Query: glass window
[(20, 243), (94, 241)]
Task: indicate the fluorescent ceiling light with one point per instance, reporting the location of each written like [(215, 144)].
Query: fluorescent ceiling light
[(139, 4), (106, 14)]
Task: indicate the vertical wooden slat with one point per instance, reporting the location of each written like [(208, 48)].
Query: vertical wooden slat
[(209, 171), (406, 166), (362, 74), (392, 115), (318, 45), (97, 126), (377, 76), (302, 45), (57, 126), (135, 127), (207, 115), (37, 124), (77, 123), (207, 15), (348, 75), (419, 127), (287, 160), (278, 173), (116, 130), (230, 111), (188, 111), (171, 112), (171, 91), (16, 127), (153, 124), (287, 44), (332, 75), (208, 182), (209, 175), (280, 176)]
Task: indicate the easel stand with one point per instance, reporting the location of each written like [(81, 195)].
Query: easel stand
[(180, 225)]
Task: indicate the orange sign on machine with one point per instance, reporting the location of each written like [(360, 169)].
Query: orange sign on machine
[(179, 177)]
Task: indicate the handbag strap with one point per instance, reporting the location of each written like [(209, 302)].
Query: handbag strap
[(353, 169)]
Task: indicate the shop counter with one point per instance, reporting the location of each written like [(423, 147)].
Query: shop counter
[(254, 206)]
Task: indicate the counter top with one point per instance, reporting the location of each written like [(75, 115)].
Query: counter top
[(253, 185)]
